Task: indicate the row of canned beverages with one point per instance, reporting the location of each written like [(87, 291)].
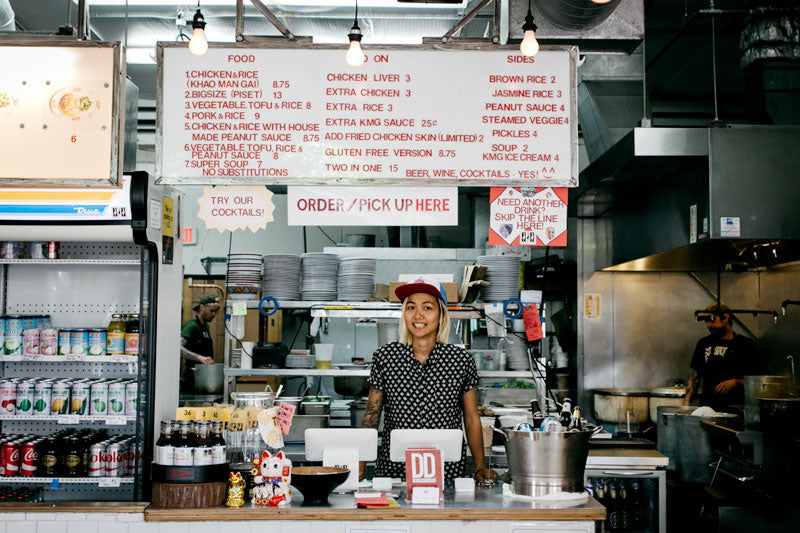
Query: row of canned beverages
[(71, 396), (34, 335), (69, 453), (21, 494)]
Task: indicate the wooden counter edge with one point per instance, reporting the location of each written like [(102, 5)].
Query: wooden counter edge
[(73, 507), (153, 514)]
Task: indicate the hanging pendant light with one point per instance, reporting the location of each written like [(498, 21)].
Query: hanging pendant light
[(198, 44), (529, 45), (355, 55)]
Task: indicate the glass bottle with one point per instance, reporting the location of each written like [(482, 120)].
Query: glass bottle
[(217, 443), (115, 335), (566, 413), (183, 454), (575, 423), (132, 335), (202, 445), (72, 457), (48, 458), (536, 414), (164, 453)]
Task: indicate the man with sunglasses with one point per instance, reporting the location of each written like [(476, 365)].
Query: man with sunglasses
[(721, 360)]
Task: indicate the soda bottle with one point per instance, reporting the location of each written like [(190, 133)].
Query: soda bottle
[(48, 458)]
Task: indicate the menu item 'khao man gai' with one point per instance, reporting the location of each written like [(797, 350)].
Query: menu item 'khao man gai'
[(722, 359), (422, 382)]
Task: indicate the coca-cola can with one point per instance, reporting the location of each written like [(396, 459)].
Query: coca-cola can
[(97, 460), (53, 250), (113, 461), (29, 458), (11, 458)]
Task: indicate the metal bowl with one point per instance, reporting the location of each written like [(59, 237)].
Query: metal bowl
[(317, 482), (351, 385)]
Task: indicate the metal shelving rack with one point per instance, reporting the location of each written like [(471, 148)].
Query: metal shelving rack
[(84, 289)]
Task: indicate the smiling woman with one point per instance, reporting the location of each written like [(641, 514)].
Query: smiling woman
[(421, 382)]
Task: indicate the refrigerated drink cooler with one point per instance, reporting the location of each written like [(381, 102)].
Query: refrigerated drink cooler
[(115, 251)]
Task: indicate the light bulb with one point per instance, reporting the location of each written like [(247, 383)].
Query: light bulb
[(198, 44), (355, 55), (600, 1), (529, 45)]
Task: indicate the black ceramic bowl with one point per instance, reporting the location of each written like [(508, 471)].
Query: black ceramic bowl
[(317, 482)]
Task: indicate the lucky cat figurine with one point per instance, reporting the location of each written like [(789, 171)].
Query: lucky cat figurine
[(273, 473), (235, 490)]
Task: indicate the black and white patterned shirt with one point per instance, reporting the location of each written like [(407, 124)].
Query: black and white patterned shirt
[(417, 396)]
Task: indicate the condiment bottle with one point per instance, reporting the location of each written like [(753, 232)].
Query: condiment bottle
[(183, 447), (132, 335), (115, 335), (164, 452)]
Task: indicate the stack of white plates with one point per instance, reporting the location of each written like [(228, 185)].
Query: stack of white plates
[(281, 276), (319, 277), (517, 353), (356, 279), (243, 278), (502, 272)]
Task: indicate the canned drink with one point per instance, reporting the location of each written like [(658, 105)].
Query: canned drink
[(131, 398), (9, 250), (38, 250), (113, 459), (64, 341), (28, 322), (47, 322), (13, 335), (60, 397), (97, 341), (53, 250), (79, 341), (8, 397), (116, 397), (30, 342), (29, 458), (48, 342), (97, 460), (11, 458), (24, 403), (42, 394), (79, 397), (2, 334), (98, 404), (551, 424)]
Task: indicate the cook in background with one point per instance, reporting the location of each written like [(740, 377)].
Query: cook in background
[(422, 382), (721, 360), (196, 343)]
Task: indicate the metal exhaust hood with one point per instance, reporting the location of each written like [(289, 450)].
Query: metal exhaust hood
[(685, 199)]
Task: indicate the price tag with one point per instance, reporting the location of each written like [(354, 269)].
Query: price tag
[(184, 413), (425, 495), (54, 484), (30, 357), (73, 357), (116, 420), (239, 308), (119, 358), (68, 419), (285, 417), (108, 482)]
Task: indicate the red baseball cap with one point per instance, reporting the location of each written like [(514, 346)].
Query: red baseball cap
[(403, 291)]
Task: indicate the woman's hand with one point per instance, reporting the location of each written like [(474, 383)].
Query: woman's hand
[(484, 474)]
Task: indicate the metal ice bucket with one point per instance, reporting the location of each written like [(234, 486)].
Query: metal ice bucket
[(542, 462)]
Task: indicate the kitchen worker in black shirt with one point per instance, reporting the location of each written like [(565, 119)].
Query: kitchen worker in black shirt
[(721, 360), (196, 343), (422, 382)]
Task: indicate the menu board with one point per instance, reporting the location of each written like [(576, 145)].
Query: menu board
[(57, 117), (426, 116)]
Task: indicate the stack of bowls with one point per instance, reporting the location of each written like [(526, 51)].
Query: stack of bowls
[(243, 278)]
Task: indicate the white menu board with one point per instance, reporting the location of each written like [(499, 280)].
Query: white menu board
[(303, 116), (56, 113)]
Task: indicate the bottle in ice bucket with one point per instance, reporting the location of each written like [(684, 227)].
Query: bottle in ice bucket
[(552, 425), (523, 426), (575, 423), (566, 413)]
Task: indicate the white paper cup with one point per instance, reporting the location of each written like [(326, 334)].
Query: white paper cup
[(324, 355)]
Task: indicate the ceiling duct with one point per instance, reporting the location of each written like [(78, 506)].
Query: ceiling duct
[(6, 16), (576, 14)]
